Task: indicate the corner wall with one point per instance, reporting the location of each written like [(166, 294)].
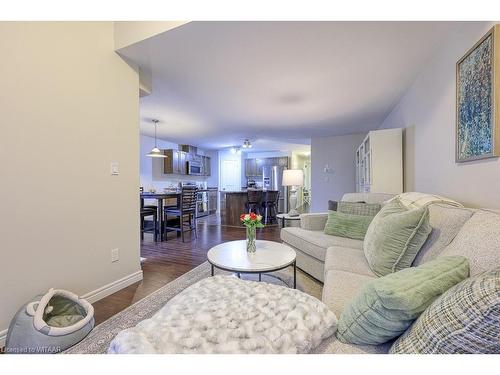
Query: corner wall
[(339, 154), (427, 111), (70, 106)]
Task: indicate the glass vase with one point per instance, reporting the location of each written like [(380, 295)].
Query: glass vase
[(251, 248)]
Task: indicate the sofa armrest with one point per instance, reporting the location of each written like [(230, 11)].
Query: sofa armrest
[(313, 221)]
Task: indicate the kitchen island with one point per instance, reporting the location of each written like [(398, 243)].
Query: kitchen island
[(232, 205)]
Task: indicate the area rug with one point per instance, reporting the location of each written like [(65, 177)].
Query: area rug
[(97, 342)]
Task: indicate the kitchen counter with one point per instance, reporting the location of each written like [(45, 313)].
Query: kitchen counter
[(232, 205)]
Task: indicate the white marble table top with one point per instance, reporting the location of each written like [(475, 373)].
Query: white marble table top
[(233, 256)]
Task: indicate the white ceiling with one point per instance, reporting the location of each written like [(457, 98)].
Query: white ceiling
[(217, 83)]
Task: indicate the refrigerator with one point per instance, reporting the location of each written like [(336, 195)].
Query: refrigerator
[(272, 177)]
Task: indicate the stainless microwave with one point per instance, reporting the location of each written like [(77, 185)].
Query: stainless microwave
[(195, 168)]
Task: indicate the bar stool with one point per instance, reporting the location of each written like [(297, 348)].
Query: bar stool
[(270, 205), (146, 212), (185, 211), (254, 201)]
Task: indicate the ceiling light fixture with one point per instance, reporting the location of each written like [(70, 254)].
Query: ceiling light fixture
[(155, 152), (247, 144), (235, 150)]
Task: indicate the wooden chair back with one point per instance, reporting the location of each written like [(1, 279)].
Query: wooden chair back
[(272, 196), (188, 198), (254, 196)]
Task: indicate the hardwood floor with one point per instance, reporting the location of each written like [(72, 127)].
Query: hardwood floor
[(165, 261)]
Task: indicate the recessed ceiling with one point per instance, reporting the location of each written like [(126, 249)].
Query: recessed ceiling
[(218, 83)]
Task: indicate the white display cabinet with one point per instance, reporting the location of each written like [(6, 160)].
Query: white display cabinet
[(379, 162)]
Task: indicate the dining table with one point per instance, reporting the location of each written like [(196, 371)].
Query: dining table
[(160, 197)]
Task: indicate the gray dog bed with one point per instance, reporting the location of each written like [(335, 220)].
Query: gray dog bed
[(50, 323)]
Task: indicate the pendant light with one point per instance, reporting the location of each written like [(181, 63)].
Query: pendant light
[(155, 152)]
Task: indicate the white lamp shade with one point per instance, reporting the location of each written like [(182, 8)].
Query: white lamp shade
[(156, 153), (293, 177)]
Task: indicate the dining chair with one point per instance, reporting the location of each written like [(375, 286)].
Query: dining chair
[(270, 204), (185, 212), (254, 201), (146, 212)]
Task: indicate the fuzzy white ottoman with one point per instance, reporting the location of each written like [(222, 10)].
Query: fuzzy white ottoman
[(223, 314)]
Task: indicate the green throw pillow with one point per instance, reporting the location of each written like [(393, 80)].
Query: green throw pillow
[(395, 236), (345, 225), (359, 208), (385, 307)]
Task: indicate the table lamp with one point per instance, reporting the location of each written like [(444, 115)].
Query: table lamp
[(293, 178)]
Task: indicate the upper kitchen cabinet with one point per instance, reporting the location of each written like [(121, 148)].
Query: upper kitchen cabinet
[(283, 161), (253, 167), (249, 167), (175, 162), (207, 169)]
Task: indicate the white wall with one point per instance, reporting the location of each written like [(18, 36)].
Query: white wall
[(338, 153), (69, 106), (427, 110), (152, 168), (130, 32)]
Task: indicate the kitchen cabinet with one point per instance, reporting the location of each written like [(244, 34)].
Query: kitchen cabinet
[(175, 162), (259, 163), (283, 161), (253, 167), (250, 167), (183, 162), (207, 169)]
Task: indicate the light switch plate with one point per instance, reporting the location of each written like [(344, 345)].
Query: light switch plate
[(115, 255), (115, 171)]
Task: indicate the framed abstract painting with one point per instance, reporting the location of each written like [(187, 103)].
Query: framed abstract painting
[(478, 99)]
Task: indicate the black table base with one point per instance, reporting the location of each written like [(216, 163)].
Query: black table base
[(238, 273)]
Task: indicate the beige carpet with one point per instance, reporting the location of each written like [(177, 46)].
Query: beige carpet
[(98, 340)]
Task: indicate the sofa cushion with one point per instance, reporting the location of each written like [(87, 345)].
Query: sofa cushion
[(348, 260), (387, 306), (395, 236), (415, 199), (465, 319), (347, 225), (478, 241), (381, 198), (340, 287), (332, 345), (359, 208), (315, 243), (446, 221)]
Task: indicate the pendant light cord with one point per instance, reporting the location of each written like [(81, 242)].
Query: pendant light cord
[(156, 123)]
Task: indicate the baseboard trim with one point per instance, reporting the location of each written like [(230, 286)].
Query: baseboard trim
[(113, 287), (97, 294)]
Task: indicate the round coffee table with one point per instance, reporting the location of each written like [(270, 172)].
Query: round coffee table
[(270, 256)]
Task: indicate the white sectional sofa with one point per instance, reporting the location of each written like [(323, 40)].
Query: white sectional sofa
[(341, 265), (311, 243)]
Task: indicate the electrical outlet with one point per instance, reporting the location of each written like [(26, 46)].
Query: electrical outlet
[(115, 255)]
